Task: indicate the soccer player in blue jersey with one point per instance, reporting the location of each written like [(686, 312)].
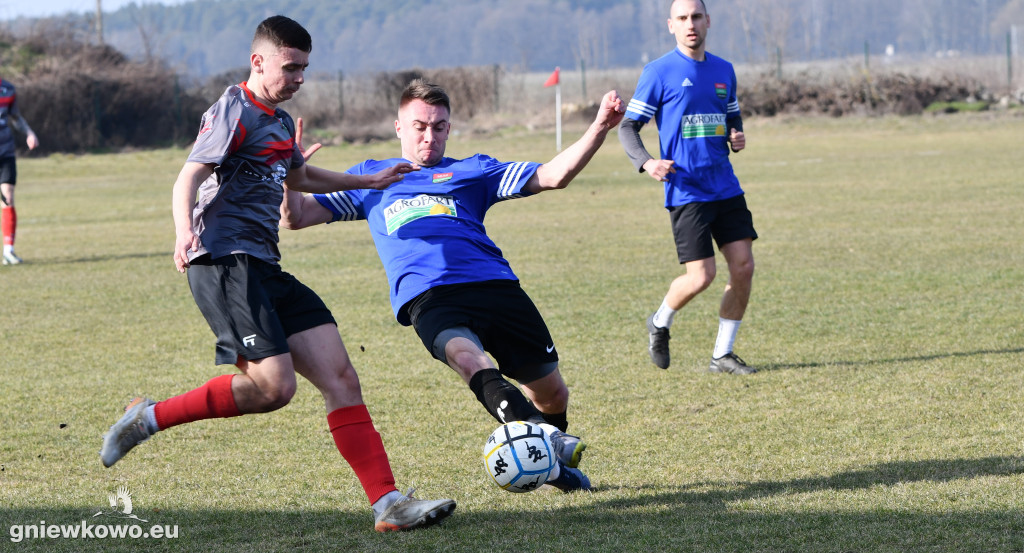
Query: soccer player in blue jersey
[(10, 118), (691, 94), (227, 208), (448, 279)]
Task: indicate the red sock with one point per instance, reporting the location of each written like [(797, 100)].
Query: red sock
[(360, 445), (10, 222), (209, 401)]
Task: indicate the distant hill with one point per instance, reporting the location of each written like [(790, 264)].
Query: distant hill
[(209, 37)]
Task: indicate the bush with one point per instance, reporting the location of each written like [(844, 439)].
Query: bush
[(81, 97)]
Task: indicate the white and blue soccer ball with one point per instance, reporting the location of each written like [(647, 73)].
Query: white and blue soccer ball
[(519, 457)]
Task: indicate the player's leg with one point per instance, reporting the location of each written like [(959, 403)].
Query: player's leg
[(8, 214), (460, 348), (320, 356), (695, 249), (740, 259), (231, 296), (699, 275), (734, 232)]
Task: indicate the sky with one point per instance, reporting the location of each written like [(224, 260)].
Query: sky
[(10, 9)]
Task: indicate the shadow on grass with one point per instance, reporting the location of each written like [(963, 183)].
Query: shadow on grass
[(870, 362), (96, 258), (706, 516)]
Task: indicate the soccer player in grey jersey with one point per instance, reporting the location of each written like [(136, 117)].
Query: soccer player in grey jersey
[(226, 206)]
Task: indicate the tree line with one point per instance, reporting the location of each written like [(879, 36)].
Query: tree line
[(203, 38)]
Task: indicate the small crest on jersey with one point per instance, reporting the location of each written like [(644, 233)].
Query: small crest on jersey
[(721, 89), (442, 177), (687, 82)]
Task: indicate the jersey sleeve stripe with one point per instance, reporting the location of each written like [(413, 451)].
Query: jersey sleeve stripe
[(640, 108), (510, 178), (342, 206), (734, 107)]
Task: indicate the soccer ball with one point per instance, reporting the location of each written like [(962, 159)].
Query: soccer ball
[(519, 457)]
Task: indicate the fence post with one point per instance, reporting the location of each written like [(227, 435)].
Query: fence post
[(583, 78), (497, 85)]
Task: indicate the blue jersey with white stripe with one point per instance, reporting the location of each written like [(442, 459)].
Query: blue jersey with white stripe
[(690, 101), (428, 227)]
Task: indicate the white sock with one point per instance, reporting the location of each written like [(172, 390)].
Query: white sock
[(664, 315), (549, 428), (385, 501), (727, 330), (555, 472), (150, 414), (8, 248)]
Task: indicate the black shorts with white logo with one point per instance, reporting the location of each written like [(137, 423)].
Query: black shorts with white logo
[(695, 224), (252, 306), (501, 315)]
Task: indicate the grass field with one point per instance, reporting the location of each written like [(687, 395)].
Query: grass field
[(886, 317)]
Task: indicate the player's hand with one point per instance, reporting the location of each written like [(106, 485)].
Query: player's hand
[(737, 140), (306, 154), (389, 176), (186, 241), (612, 110), (659, 169), (32, 140)]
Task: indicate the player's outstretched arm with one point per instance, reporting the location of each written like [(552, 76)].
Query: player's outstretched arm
[(560, 171), (183, 197), (300, 210), (308, 178)]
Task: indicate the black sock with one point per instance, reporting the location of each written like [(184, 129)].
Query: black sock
[(558, 420), (503, 401)]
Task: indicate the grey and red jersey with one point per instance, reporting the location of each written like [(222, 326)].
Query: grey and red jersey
[(253, 147), (9, 117)]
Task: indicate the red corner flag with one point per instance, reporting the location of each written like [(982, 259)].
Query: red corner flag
[(553, 79)]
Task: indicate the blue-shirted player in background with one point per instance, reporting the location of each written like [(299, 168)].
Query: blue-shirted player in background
[(691, 95), (449, 280)]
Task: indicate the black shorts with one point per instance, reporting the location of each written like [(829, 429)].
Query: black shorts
[(695, 224), (8, 171), (502, 316), (252, 306)]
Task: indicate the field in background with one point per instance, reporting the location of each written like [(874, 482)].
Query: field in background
[(486, 100), (886, 318)]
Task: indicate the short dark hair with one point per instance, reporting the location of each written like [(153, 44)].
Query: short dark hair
[(702, 4), (432, 94), (282, 32)]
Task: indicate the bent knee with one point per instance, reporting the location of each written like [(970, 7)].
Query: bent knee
[(277, 396), (743, 271)]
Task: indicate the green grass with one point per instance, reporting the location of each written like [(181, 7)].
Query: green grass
[(886, 315), (953, 107)]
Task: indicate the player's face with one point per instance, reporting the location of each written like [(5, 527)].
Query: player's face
[(689, 22), (423, 130), (280, 71)]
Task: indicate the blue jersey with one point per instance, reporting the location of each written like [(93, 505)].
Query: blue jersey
[(690, 101), (429, 227)]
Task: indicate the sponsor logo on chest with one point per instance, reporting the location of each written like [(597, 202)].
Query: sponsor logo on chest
[(405, 210)]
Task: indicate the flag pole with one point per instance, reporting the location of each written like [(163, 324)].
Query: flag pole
[(554, 81), (558, 117)]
